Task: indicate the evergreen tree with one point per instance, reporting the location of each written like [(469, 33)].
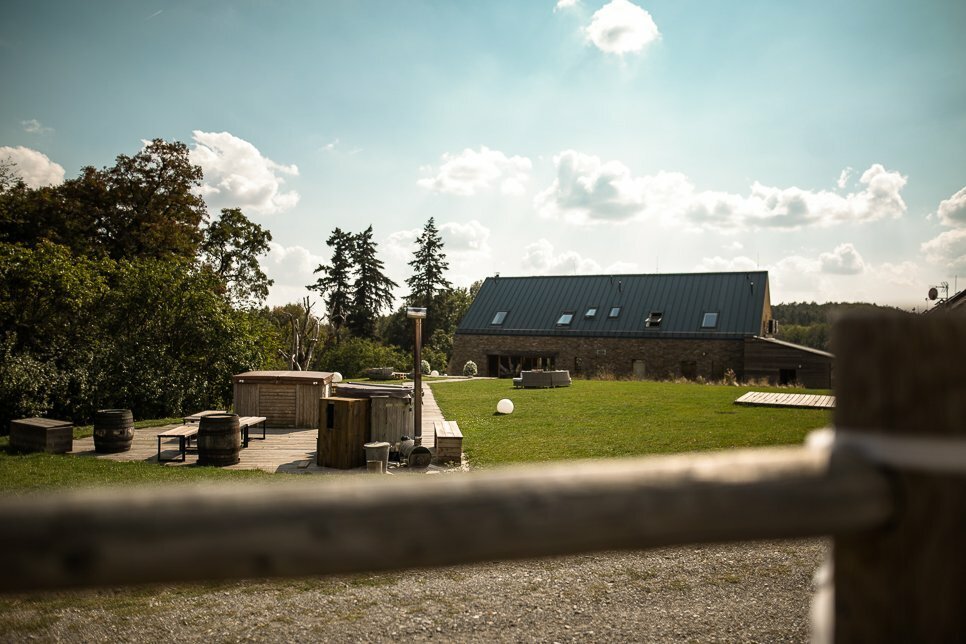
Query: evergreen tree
[(372, 290), (429, 264), (335, 283)]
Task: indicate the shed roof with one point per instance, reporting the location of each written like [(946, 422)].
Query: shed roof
[(534, 305), (304, 377)]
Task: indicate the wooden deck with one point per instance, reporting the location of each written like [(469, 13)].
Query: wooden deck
[(800, 401), (284, 450)]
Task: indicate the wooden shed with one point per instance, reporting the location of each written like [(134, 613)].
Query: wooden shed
[(285, 398)]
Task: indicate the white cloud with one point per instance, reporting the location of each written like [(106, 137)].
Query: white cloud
[(238, 176), (844, 260), (469, 172), (34, 167), (564, 4), (587, 190), (401, 244), (952, 211), (540, 258), (469, 237), (844, 177), (33, 126), (463, 243), (719, 264), (947, 250), (621, 27), (291, 267), (904, 274)]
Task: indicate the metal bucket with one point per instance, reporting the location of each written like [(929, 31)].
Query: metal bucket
[(378, 451)]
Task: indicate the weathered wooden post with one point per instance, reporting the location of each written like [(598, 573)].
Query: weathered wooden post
[(901, 386)]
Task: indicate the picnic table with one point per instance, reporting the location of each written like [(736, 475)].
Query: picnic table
[(184, 433)]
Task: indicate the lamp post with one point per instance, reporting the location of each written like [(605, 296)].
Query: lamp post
[(417, 315)]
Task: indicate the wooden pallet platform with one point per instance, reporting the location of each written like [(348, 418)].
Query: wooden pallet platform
[(799, 401)]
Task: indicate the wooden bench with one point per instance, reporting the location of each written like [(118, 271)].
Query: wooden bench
[(247, 422), (449, 441), (195, 418), (184, 433)]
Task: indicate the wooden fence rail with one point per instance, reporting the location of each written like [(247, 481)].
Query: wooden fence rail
[(182, 534), (899, 567)]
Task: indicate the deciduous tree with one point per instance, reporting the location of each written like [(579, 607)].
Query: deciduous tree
[(231, 247)]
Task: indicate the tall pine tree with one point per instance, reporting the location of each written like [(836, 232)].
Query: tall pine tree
[(372, 290), (335, 283), (429, 264)]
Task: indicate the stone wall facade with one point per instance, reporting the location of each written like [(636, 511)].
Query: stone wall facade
[(648, 358)]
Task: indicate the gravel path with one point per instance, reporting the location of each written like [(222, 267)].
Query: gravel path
[(754, 592)]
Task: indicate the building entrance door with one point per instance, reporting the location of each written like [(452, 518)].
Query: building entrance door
[(640, 372)]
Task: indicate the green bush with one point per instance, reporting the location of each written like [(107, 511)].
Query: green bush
[(469, 369), (352, 356), (424, 367)]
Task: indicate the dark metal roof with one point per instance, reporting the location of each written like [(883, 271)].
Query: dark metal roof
[(534, 304)]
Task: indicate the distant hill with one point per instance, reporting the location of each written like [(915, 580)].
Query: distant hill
[(808, 323)]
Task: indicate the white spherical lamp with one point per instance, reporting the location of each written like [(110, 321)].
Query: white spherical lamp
[(434, 373), (336, 377), (505, 406)]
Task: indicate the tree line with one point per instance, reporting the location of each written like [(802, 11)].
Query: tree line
[(118, 289), (809, 324)]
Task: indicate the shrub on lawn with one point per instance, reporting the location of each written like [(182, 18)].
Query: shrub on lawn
[(469, 369)]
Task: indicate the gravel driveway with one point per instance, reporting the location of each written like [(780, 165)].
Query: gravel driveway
[(749, 592)]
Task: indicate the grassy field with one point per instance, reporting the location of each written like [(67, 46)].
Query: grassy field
[(590, 419), (37, 471), (594, 419)]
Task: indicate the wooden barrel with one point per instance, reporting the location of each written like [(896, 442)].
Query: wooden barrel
[(219, 440), (113, 430)]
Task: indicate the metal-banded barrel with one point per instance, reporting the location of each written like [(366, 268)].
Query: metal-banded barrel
[(219, 440), (113, 430)]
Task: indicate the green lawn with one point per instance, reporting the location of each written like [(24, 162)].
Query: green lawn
[(37, 471), (591, 419), (595, 419)]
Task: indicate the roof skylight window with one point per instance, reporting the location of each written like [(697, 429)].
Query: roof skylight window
[(498, 318), (654, 319), (591, 313), (565, 318), (615, 311), (709, 321)]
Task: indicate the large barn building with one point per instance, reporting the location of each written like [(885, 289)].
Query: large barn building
[(661, 326)]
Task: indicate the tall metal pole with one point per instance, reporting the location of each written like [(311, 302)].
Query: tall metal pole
[(418, 383), (417, 314)]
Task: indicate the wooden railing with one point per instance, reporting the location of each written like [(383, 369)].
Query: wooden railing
[(899, 568)]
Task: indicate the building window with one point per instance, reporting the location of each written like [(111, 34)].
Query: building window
[(614, 312), (565, 318), (654, 319), (709, 321), (499, 317), (591, 313)]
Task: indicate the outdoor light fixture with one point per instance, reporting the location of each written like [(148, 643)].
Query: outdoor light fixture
[(417, 314)]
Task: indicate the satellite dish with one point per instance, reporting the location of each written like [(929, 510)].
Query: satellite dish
[(933, 293)]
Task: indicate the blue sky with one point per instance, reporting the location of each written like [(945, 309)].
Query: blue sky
[(823, 141)]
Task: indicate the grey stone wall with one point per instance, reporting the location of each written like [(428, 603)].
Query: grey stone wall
[(662, 357)]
